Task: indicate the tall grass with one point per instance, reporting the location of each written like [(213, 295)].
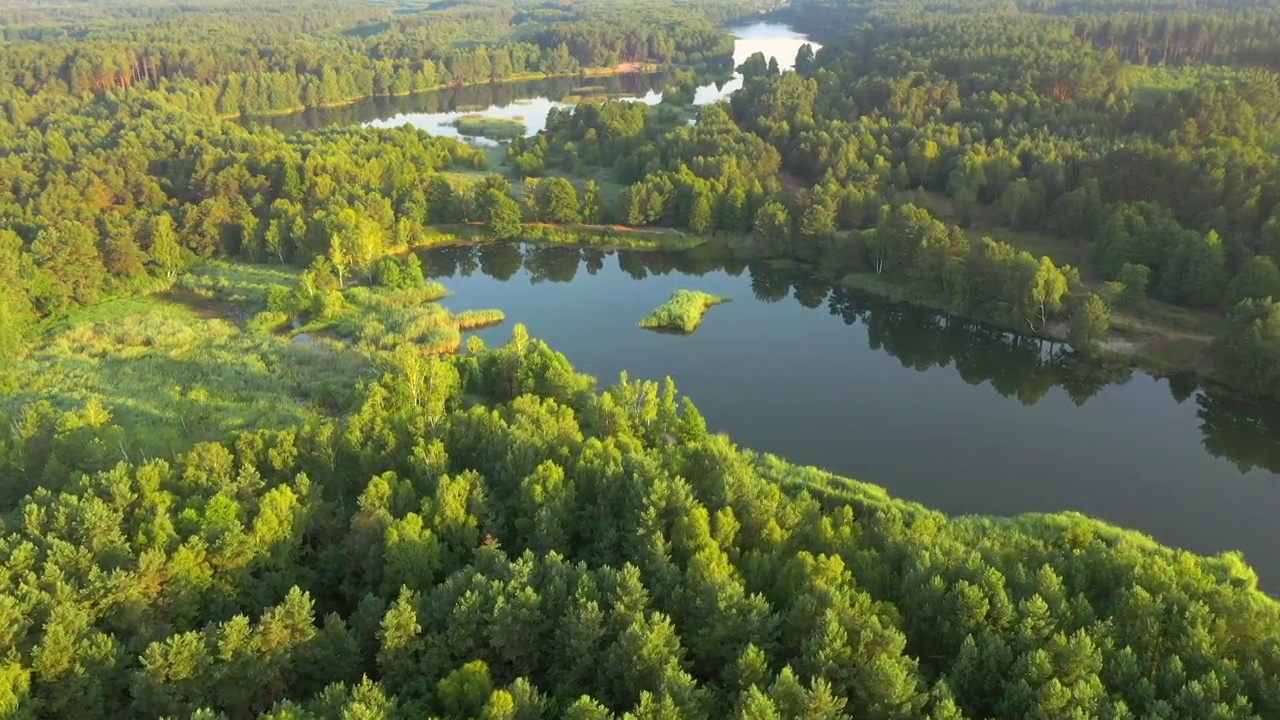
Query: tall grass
[(683, 312), (602, 236), (236, 282), (383, 298), (489, 127), (475, 319), (379, 319), (175, 378), (610, 236)]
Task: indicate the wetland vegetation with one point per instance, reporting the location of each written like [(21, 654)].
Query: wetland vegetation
[(683, 312)]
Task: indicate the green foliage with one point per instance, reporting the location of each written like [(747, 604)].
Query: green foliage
[(1257, 279), (464, 691), (557, 201), (683, 312), (12, 333), (344, 52), (503, 215), (396, 274), (1090, 323), (474, 319), (773, 227), (378, 319), (1247, 353), (1023, 203), (174, 377), (1135, 279), (375, 532), (485, 535)]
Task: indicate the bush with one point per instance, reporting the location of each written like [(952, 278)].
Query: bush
[(683, 312)]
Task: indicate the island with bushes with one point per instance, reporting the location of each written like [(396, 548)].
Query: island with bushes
[(490, 127), (683, 312)]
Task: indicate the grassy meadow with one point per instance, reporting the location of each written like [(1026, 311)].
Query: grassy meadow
[(205, 358), (178, 375)]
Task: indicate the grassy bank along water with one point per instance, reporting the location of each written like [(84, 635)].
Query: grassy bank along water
[(683, 312), (179, 368), (378, 319), (610, 237)]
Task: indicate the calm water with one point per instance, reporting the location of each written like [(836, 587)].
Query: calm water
[(531, 102), (956, 415)]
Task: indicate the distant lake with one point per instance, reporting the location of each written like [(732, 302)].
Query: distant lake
[(531, 101), (958, 415)]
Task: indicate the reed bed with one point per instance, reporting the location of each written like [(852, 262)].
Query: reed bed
[(476, 319), (683, 312)]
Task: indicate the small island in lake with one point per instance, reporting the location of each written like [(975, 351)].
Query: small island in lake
[(477, 125), (683, 312)]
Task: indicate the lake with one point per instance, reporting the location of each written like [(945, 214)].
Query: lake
[(954, 414), (957, 415), (532, 101)]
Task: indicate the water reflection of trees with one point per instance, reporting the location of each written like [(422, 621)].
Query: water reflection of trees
[(1016, 366), (552, 263), (1243, 431), (466, 99)]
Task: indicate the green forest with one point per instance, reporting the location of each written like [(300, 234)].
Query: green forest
[(255, 463)]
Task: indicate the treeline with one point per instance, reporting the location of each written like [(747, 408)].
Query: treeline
[(637, 39), (485, 536), (708, 175), (34, 20), (1073, 156), (1166, 38), (1147, 32), (232, 65), (713, 176)]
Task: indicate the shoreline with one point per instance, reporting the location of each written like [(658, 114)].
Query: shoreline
[(1127, 343), (1120, 348), (599, 237), (620, 69), (1132, 341)]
